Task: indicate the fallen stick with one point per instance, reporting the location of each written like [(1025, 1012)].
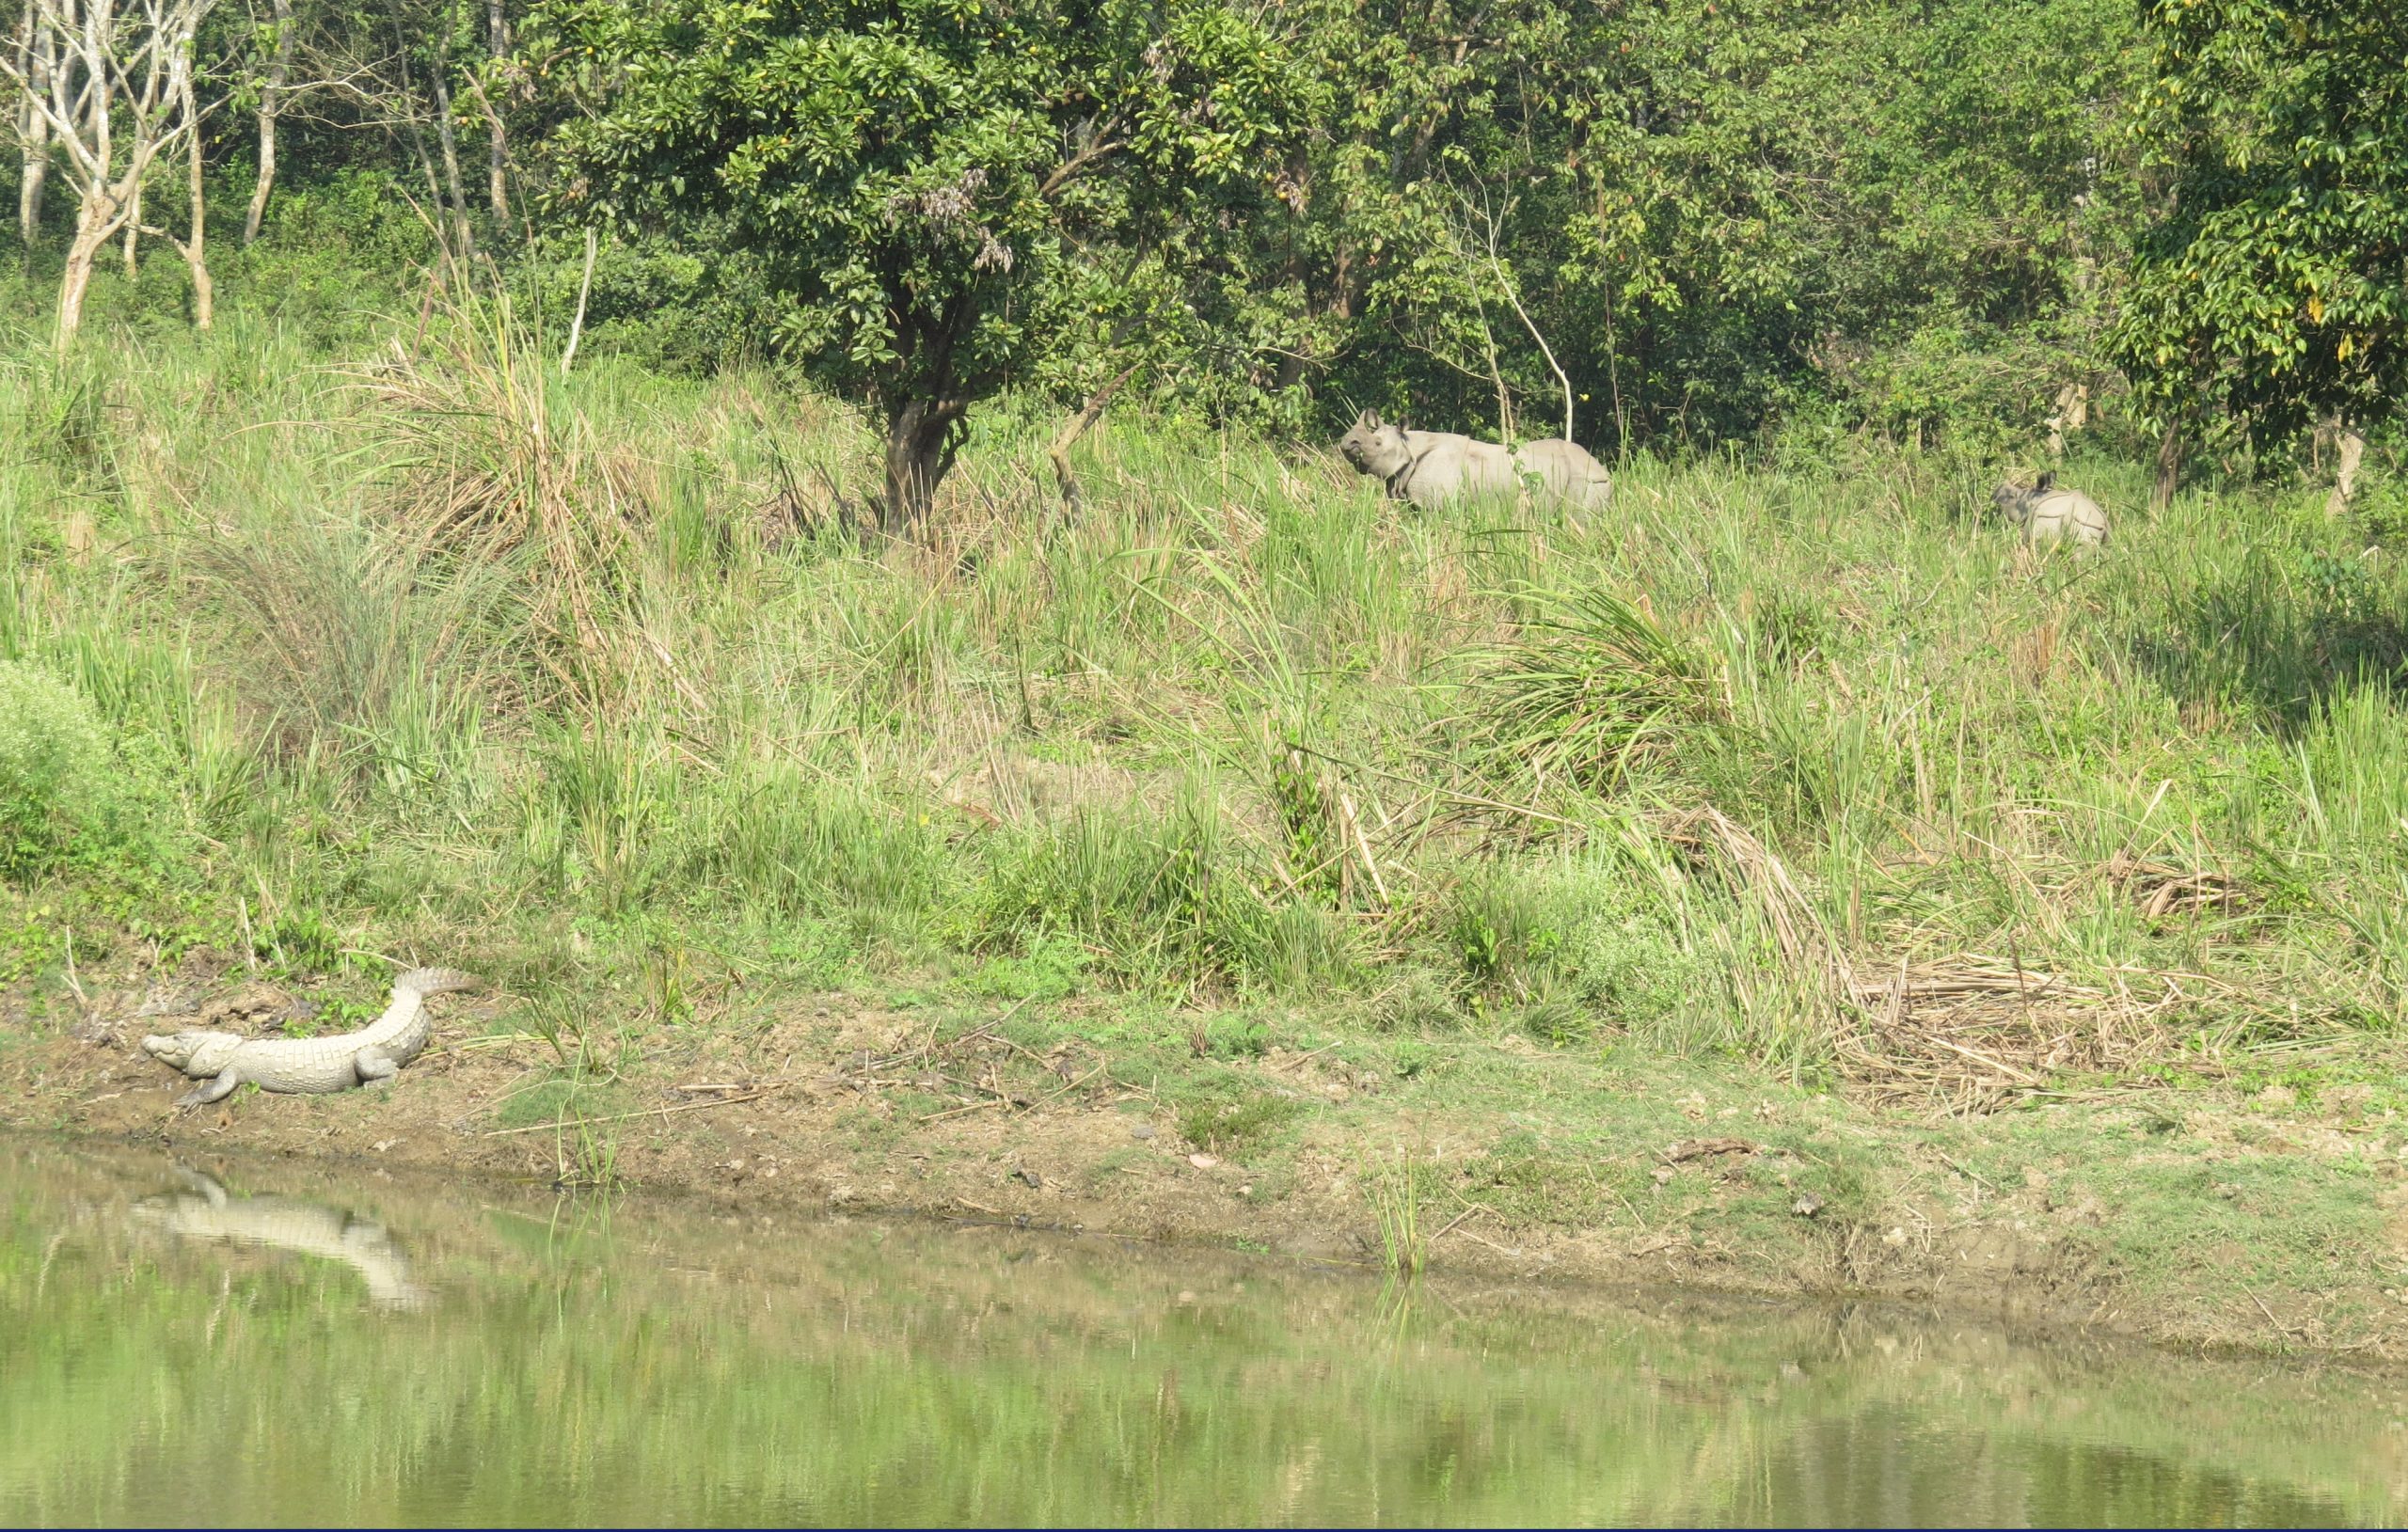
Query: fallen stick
[(1363, 845), (2002, 1067), (1075, 1084), (1285, 1065), (1490, 1243), (623, 1116), (975, 1106), (1472, 1211)]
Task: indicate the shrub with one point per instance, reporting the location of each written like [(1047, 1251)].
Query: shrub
[(68, 796)]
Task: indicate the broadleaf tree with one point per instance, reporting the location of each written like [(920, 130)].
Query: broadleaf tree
[(2272, 291), (930, 184)]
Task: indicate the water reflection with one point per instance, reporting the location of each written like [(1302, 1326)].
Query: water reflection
[(206, 1211), (528, 1362)]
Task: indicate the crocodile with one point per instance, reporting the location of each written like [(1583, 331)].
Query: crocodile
[(206, 1211), (311, 1065)]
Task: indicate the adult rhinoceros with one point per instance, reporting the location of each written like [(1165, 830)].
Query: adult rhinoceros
[(1432, 468)]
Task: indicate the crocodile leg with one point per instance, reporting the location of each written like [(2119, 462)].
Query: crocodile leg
[(374, 1068), (216, 1088)]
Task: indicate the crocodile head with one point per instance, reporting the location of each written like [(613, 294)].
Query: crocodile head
[(196, 1053)]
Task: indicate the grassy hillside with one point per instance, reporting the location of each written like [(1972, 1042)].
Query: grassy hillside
[(588, 682)]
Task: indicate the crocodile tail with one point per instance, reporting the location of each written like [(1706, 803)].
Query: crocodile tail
[(433, 981)]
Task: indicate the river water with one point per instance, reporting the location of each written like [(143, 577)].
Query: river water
[(273, 1345)]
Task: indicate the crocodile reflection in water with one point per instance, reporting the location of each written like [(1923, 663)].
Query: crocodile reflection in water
[(208, 1211)]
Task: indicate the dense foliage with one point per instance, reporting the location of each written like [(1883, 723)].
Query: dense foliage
[(931, 187), (2275, 287), (1653, 223)]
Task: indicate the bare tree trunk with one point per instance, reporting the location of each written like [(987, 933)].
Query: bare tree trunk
[(195, 249), (34, 56), (449, 140), (120, 98), (279, 70), (585, 291), (2351, 441), (498, 148), (93, 231), (2169, 466)]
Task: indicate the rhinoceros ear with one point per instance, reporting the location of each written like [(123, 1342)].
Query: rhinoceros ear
[(2046, 481), (1369, 420)]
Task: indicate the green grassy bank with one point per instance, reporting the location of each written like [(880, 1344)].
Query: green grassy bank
[(1800, 773)]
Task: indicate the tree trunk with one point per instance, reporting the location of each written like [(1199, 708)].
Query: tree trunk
[(33, 128), (449, 140), (920, 446), (196, 250), (93, 231), (2350, 442), (585, 291), (279, 69), (133, 230), (497, 150), (34, 169), (2169, 467)]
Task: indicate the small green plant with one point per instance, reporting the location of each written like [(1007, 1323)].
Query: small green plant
[(668, 984), (334, 1016), (300, 942), (1502, 933), (1393, 1186), (586, 1153), (1235, 1037), (1298, 792), (1235, 1127)]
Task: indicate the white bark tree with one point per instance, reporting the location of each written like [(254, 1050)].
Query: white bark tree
[(119, 98), (35, 49), (271, 89), (497, 145)]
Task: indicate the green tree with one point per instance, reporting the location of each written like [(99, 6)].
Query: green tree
[(2274, 289), (1903, 210), (930, 184)]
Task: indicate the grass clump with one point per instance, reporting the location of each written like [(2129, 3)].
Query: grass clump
[(1589, 684), (1236, 1124)]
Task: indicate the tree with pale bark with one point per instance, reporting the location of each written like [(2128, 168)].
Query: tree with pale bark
[(114, 98)]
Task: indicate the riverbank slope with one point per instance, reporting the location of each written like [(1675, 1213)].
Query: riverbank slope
[(2201, 1217)]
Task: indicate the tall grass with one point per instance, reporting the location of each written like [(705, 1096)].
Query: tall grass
[(440, 641)]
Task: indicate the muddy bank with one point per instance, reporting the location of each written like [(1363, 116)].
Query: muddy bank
[(832, 1103)]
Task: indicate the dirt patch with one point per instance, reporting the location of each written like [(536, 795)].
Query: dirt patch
[(828, 1102)]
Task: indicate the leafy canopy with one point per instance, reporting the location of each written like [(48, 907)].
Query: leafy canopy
[(2276, 287), (928, 184)]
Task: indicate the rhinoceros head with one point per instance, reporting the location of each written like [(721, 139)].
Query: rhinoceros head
[(1375, 446), (2013, 502), (194, 1052)]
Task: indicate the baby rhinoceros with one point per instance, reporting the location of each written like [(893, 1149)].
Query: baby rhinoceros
[(2047, 512)]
